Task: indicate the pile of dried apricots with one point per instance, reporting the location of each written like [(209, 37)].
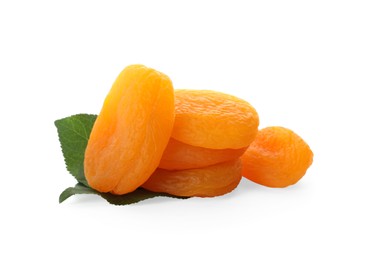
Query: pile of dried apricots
[(185, 142)]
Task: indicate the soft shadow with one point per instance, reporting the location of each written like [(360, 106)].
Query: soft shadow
[(244, 188), (88, 199), (158, 200), (246, 185)]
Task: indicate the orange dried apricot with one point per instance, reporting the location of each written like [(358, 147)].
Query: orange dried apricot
[(278, 157), (209, 181), (131, 131), (214, 120), (180, 156)]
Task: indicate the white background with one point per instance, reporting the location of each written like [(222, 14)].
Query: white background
[(311, 66)]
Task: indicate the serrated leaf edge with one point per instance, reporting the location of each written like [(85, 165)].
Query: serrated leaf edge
[(81, 189)]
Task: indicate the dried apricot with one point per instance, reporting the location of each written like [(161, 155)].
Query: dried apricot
[(209, 181), (213, 120), (131, 131), (278, 157), (180, 156)]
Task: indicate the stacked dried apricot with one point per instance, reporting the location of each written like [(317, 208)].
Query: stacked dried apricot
[(185, 142), (211, 131)]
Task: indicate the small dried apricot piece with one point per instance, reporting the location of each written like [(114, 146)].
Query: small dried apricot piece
[(180, 156), (278, 157), (209, 181), (214, 120), (131, 131)]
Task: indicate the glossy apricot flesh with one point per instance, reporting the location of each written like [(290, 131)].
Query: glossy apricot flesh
[(277, 157), (131, 131), (180, 156), (214, 120), (209, 181)]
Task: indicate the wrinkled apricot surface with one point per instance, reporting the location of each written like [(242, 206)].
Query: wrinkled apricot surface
[(209, 181), (131, 131), (180, 156), (278, 157), (214, 120)]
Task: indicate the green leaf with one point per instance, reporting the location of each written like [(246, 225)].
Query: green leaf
[(130, 198), (78, 189), (73, 135)]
